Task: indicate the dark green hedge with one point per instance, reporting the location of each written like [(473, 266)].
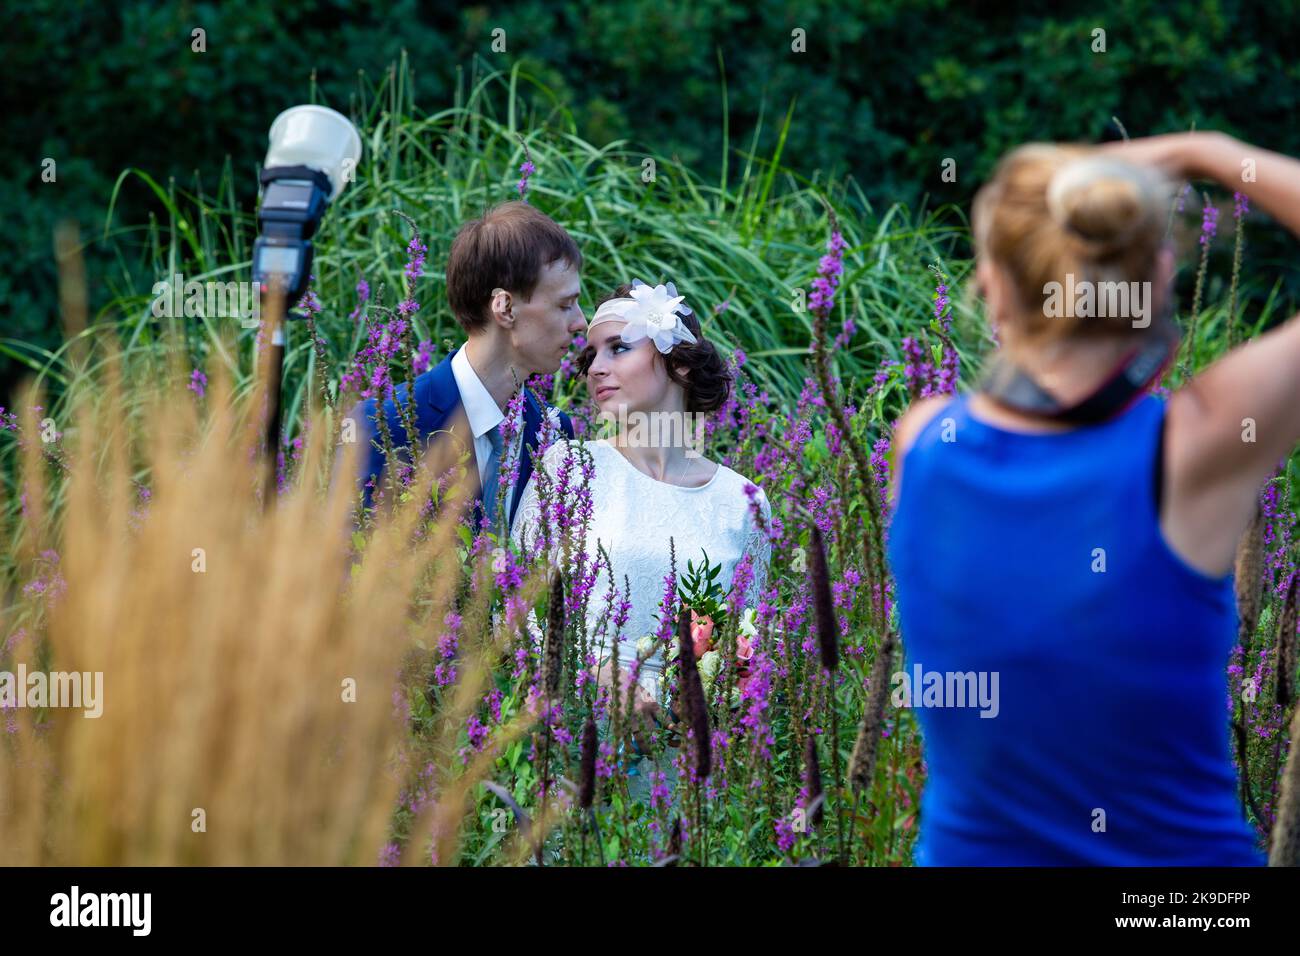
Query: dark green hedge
[(884, 92)]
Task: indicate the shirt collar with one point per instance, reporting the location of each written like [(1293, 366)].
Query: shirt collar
[(480, 408)]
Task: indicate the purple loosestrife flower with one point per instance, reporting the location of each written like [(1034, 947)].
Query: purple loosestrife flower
[(1209, 224), (423, 357), (829, 269), (755, 509), (1277, 535), (919, 371), (445, 671), (950, 361), (198, 382), (543, 384), (416, 251), (309, 303), (742, 578), (363, 296), (369, 373), (767, 611), (842, 592), (941, 300), (509, 472), (553, 715), (754, 704), (823, 509), (477, 733), (606, 760), (834, 441), (667, 606), (526, 169), (660, 794), (880, 469), (810, 397), (1240, 205), (846, 333), (784, 834), (949, 364)]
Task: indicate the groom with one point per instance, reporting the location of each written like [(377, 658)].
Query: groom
[(513, 284)]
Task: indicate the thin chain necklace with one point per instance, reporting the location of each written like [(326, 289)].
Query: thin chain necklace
[(676, 484)]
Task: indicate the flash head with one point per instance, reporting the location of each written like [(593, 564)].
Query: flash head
[(313, 153)]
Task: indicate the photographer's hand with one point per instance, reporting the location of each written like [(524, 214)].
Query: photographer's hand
[(1269, 179)]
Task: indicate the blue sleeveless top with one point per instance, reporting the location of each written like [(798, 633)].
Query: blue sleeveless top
[(1035, 564)]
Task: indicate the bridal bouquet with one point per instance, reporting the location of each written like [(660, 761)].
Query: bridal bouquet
[(701, 593)]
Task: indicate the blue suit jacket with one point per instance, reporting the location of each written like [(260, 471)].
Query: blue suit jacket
[(436, 399)]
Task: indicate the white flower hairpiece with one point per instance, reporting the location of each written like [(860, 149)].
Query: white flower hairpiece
[(651, 312)]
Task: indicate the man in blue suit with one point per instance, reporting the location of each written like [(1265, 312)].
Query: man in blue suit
[(513, 280)]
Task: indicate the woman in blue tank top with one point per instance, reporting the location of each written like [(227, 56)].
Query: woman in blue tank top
[(1064, 583)]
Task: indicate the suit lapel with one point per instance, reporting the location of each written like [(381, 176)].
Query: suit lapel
[(448, 436), (443, 393)]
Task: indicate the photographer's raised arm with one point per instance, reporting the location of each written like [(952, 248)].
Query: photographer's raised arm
[(1249, 399), (1230, 426)]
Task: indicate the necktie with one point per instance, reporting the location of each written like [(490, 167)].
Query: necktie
[(491, 475)]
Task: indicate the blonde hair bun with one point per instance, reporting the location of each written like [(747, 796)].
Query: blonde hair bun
[(1104, 201)]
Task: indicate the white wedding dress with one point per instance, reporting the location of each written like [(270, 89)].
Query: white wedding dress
[(633, 517)]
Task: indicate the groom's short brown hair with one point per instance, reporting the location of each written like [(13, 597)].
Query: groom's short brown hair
[(506, 248)]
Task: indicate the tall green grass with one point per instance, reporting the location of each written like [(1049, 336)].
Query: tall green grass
[(750, 240)]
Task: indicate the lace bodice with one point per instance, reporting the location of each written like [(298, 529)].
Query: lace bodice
[(633, 518)]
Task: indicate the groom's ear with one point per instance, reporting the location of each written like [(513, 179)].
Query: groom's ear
[(503, 307)]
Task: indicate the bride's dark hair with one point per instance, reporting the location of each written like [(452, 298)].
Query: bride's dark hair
[(698, 368)]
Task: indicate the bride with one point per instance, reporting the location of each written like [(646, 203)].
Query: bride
[(647, 360)]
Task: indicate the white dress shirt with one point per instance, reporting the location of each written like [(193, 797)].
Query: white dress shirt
[(483, 413)]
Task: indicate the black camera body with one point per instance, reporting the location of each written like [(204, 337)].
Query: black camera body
[(293, 202)]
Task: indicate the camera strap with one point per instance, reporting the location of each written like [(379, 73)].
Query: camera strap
[(1013, 388)]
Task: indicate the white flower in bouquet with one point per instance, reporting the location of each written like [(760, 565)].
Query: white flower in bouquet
[(709, 665), (746, 625)]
